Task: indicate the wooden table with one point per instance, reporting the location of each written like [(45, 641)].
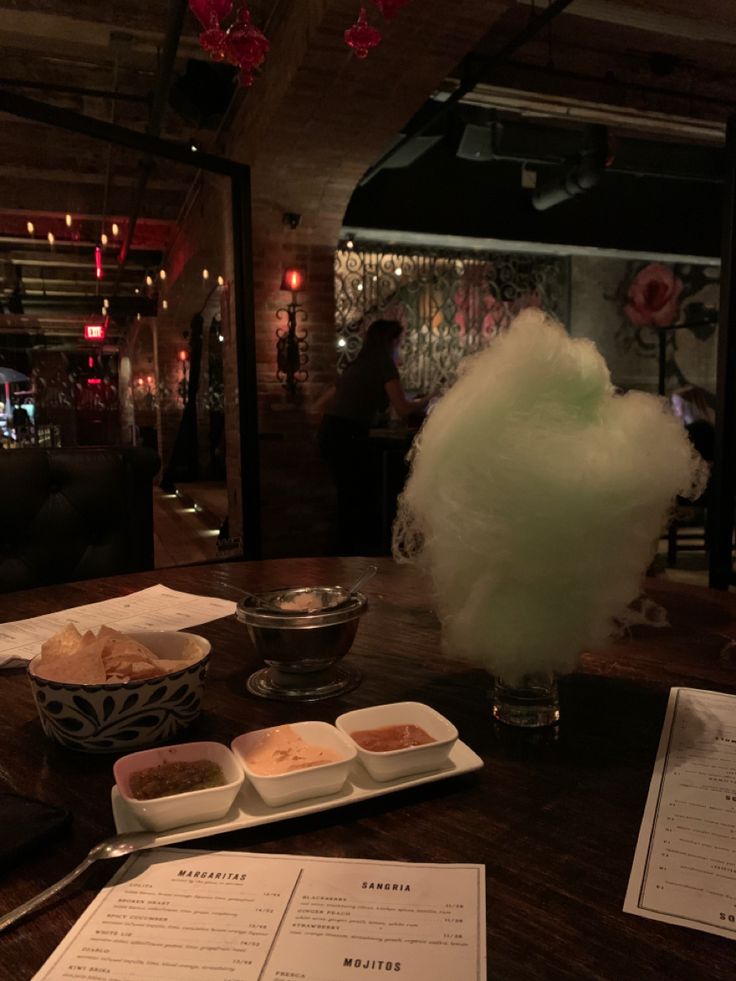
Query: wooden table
[(554, 815)]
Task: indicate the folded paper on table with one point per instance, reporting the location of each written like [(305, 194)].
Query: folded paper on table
[(155, 608)]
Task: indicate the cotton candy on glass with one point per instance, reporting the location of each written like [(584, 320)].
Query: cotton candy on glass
[(536, 498)]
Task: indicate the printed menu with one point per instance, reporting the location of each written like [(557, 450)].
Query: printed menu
[(176, 913), (684, 869)]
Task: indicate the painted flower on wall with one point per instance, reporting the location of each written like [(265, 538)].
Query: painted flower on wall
[(653, 297)]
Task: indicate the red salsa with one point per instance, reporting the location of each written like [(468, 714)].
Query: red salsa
[(386, 738), (178, 777)]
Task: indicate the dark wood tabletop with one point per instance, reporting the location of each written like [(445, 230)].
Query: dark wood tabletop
[(554, 814)]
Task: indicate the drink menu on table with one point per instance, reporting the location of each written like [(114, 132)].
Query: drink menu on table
[(684, 869), (174, 913)]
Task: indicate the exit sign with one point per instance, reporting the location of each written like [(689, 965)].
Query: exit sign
[(94, 332)]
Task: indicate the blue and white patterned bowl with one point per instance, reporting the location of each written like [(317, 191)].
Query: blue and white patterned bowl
[(124, 716)]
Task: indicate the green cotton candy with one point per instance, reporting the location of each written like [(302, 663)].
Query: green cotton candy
[(536, 497)]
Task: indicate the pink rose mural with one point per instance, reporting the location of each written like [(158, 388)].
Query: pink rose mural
[(654, 297)]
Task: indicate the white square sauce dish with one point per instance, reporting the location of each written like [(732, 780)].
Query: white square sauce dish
[(161, 771), (292, 762), (399, 738)]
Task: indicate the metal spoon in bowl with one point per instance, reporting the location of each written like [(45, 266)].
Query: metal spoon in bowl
[(277, 603), (114, 847)]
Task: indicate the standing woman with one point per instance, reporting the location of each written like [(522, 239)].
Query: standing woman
[(366, 387)]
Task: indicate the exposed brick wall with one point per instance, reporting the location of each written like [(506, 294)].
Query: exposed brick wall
[(310, 127)]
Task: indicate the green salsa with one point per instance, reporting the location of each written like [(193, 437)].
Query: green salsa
[(179, 777)]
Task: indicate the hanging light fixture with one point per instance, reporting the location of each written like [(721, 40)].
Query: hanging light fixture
[(104, 239), (162, 274), (115, 229), (361, 37), (51, 238), (246, 46), (30, 227), (68, 220), (149, 279), (211, 14), (205, 274)]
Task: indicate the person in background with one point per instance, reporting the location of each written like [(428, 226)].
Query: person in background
[(368, 386), (692, 406)]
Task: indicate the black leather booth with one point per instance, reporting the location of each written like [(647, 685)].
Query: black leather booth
[(74, 514)]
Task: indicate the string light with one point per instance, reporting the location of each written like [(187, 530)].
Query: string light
[(205, 274), (51, 238), (149, 280), (398, 271), (115, 228), (68, 220), (342, 342), (136, 291), (31, 227), (165, 304), (220, 280), (104, 239), (162, 274), (220, 338), (350, 244)]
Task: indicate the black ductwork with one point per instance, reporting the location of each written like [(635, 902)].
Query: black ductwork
[(578, 175)]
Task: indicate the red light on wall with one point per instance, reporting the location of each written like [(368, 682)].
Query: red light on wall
[(293, 280), (94, 381), (98, 262), (94, 332)]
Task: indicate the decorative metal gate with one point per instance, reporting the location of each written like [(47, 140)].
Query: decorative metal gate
[(451, 303)]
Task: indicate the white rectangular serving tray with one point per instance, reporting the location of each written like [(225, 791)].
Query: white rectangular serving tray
[(249, 811)]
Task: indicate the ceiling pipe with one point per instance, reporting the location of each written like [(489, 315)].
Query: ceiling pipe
[(24, 83), (470, 80), (175, 24)]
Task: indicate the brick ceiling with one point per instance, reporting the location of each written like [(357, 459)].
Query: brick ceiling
[(673, 57)]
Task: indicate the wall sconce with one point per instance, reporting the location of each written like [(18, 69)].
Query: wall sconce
[(291, 344), (183, 357)]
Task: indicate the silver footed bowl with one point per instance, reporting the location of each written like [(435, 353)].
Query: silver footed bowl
[(302, 635)]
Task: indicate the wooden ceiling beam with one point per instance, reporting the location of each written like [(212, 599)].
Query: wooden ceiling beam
[(532, 104), (28, 259), (79, 36), (42, 195), (699, 22)]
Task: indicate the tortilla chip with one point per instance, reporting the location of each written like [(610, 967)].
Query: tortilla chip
[(62, 644), (110, 657), (82, 667)]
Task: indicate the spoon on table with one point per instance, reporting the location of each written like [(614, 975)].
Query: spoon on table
[(114, 847)]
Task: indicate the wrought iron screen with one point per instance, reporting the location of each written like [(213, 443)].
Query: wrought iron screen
[(451, 303)]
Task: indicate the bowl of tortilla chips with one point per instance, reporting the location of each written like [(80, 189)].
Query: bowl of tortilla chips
[(109, 691)]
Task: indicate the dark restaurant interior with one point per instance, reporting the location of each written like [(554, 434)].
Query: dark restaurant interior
[(311, 309)]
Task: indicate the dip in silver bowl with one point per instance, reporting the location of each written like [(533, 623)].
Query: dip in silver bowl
[(302, 635)]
